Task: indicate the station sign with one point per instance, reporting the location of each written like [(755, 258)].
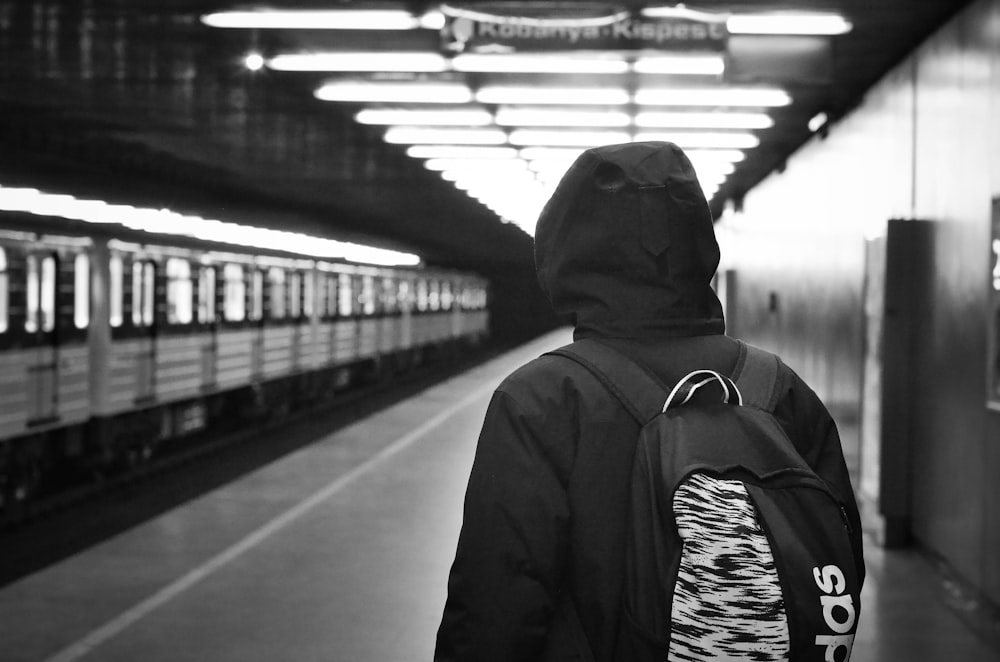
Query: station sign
[(679, 30)]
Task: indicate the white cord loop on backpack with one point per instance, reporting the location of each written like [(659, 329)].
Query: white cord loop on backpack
[(709, 376)]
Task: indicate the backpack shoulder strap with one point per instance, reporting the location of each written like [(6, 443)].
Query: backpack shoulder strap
[(641, 392), (756, 375)]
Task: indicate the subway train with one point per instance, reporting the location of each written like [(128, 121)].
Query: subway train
[(116, 343)]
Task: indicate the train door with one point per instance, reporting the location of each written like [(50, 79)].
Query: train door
[(208, 320), (255, 314), (40, 331), (143, 279), (405, 317), (294, 283)]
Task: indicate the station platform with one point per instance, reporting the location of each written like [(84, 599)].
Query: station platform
[(340, 552)]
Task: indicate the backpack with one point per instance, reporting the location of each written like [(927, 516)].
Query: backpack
[(736, 549)]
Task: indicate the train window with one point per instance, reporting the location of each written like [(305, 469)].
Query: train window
[(295, 295), (308, 293), (180, 292), (434, 295), (346, 297), (404, 294), (143, 288), (206, 295), (331, 295), (421, 295), (41, 294), (446, 297), (257, 296), (4, 287), (116, 274), (367, 297), (389, 296), (276, 287), (322, 301), (234, 293), (81, 291)]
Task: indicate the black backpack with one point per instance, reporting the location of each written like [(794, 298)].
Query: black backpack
[(736, 549)]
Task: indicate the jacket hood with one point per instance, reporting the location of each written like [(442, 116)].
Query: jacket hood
[(626, 245)]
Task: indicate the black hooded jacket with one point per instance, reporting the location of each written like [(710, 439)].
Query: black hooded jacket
[(626, 247)]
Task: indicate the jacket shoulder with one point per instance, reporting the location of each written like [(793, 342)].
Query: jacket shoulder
[(543, 375)]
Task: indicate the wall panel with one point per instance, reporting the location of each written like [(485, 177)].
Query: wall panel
[(952, 189), (924, 144)]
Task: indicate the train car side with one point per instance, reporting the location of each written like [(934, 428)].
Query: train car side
[(110, 348)]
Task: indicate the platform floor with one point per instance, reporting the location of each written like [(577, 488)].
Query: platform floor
[(340, 552)]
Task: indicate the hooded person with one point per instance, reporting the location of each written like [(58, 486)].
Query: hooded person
[(626, 249)]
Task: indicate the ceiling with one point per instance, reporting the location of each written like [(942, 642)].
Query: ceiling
[(140, 101)]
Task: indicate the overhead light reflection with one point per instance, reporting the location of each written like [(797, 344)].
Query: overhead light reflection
[(565, 138), (707, 65), (304, 19), (168, 222), (819, 24), (419, 135), (714, 120), (547, 117), (708, 96), (451, 117), (459, 152), (731, 140), (498, 94), (394, 92), (421, 62), (549, 64)]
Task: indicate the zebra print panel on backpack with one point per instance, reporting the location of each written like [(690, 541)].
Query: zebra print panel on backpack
[(727, 601)]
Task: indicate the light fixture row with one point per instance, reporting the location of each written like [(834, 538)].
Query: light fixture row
[(429, 62), (552, 153), (489, 174), (791, 23), (434, 92), (414, 135), (563, 118)]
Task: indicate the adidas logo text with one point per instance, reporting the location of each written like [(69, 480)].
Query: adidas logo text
[(831, 581)]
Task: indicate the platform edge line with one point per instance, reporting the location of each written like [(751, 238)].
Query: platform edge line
[(116, 626)]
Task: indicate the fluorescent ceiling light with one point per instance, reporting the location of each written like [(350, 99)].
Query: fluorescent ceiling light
[(548, 117), (416, 92), (563, 138), (718, 120), (303, 19), (547, 64), (421, 61), (460, 152), (451, 117), (684, 140), (552, 95), (727, 155), (569, 155), (708, 65), (418, 135), (732, 96), (786, 23), (165, 221), (710, 178), (477, 165)]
